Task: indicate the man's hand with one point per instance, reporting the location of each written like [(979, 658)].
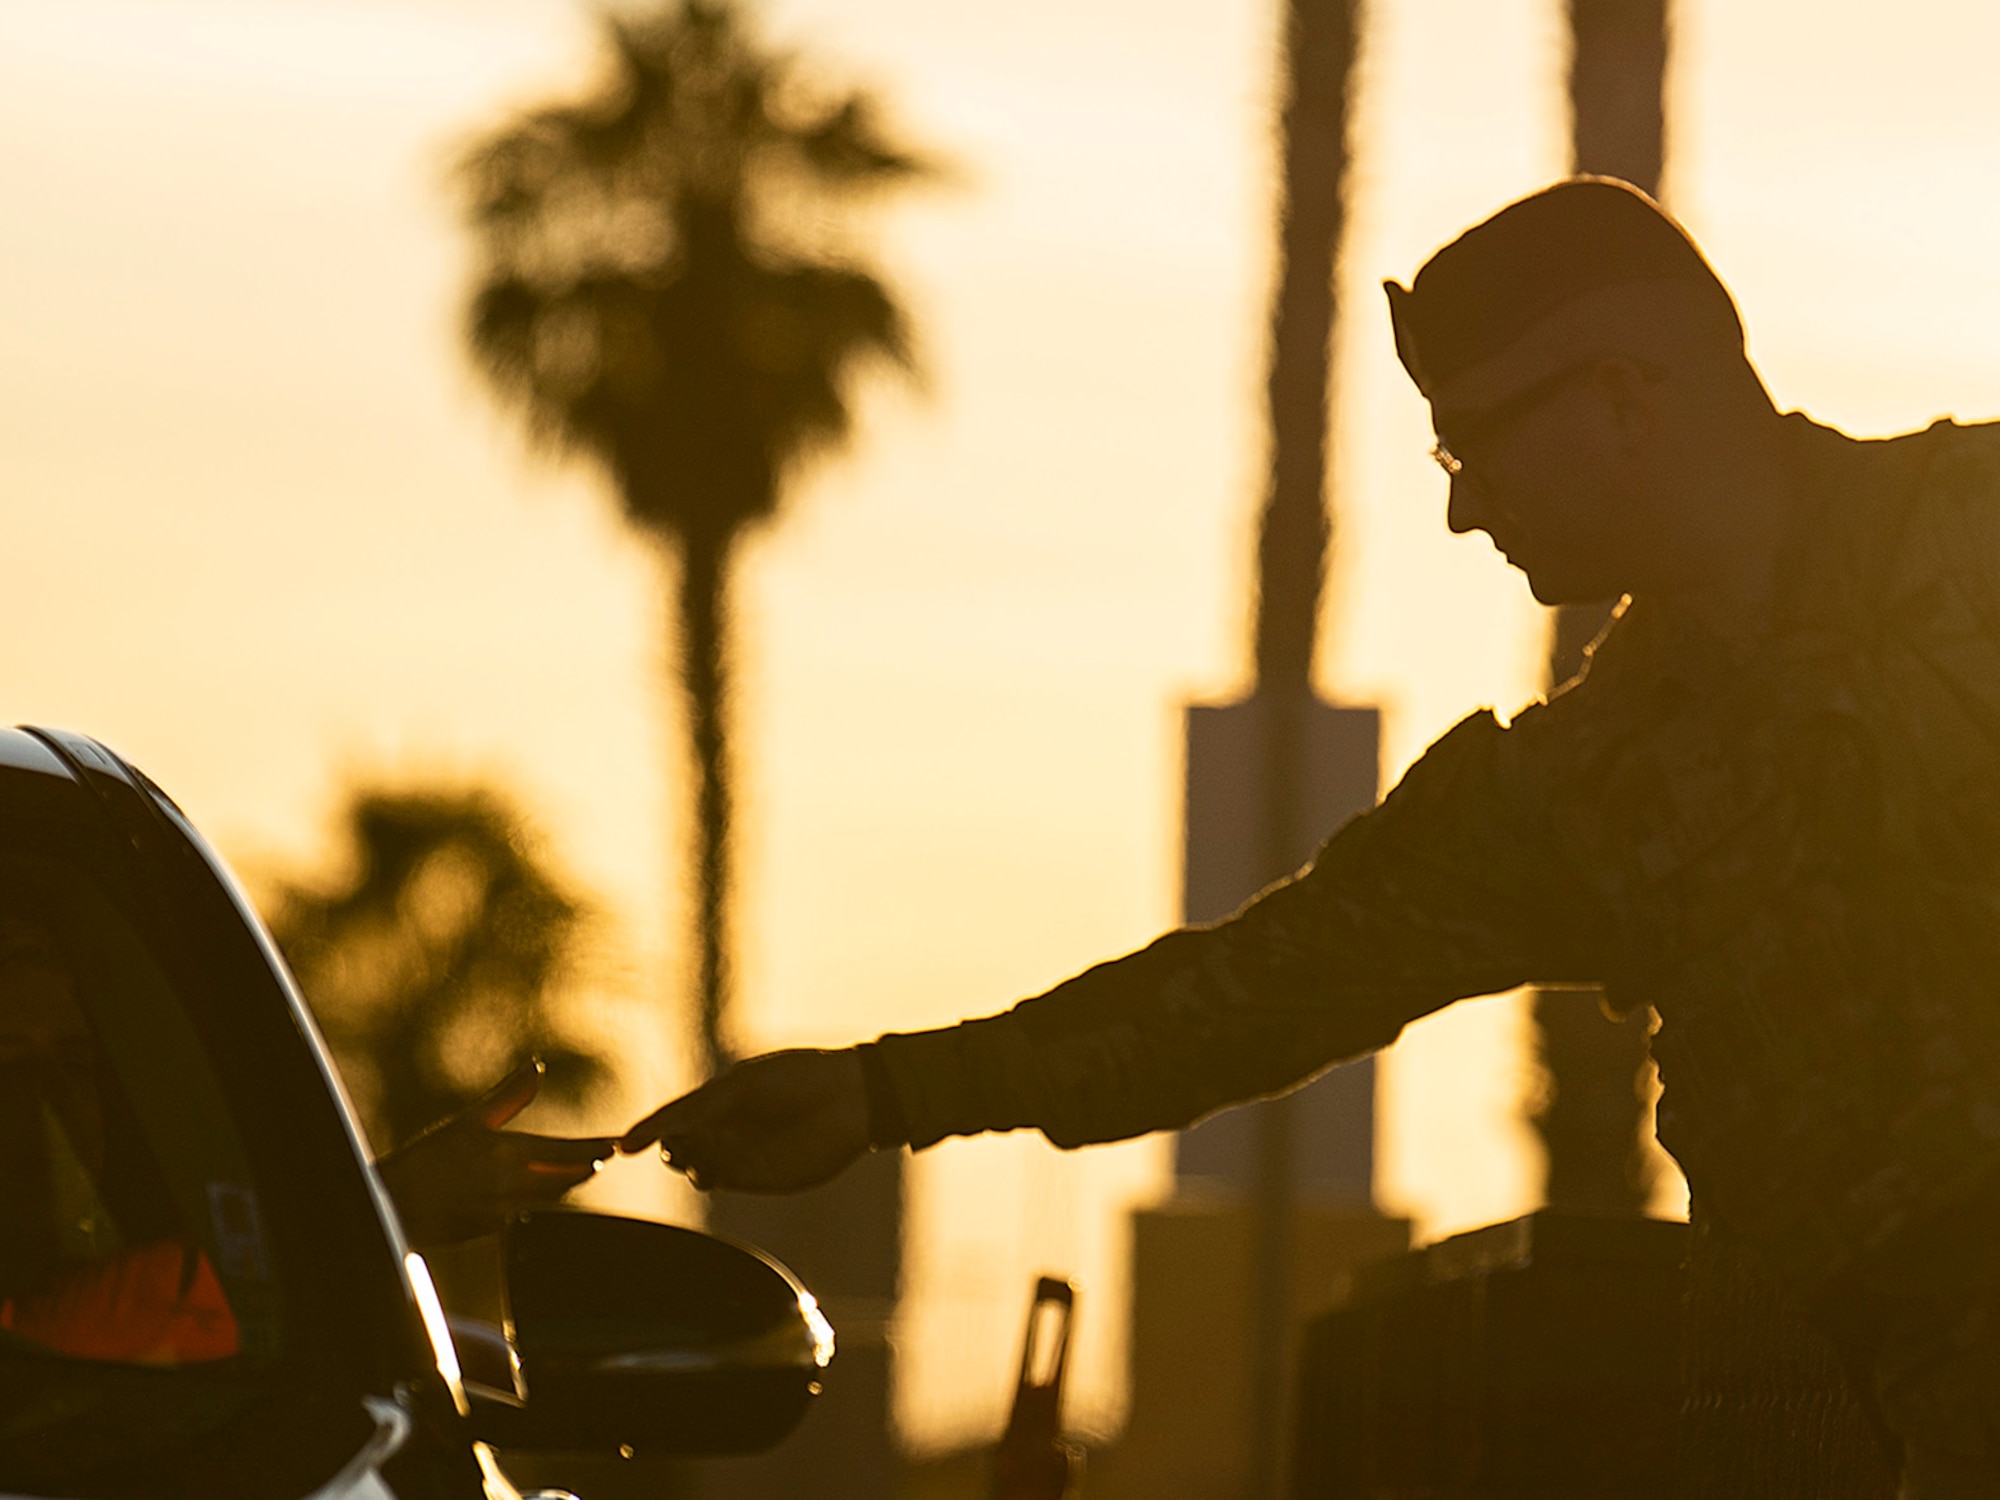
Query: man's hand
[(774, 1124), (465, 1176)]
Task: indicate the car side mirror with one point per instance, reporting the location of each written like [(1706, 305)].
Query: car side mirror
[(643, 1336)]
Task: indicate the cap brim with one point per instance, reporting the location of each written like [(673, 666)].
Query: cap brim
[(1404, 326)]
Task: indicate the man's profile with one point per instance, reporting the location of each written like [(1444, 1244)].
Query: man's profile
[(1770, 810)]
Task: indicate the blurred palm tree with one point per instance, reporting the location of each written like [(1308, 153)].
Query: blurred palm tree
[(431, 964), (661, 289), (1294, 541)]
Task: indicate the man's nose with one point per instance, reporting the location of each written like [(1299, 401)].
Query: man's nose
[(1466, 510)]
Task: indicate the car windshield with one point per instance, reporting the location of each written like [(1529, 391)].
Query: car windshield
[(137, 1304)]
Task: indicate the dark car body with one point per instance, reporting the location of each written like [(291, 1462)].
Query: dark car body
[(204, 1289)]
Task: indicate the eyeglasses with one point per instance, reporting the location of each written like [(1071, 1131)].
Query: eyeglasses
[(1470, 432)]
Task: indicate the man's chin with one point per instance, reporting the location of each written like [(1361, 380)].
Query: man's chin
[(1555, 590)]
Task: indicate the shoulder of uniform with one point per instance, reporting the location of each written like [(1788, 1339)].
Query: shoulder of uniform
[(1944, 524)]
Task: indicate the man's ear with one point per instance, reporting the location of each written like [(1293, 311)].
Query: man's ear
[(1632, 392)]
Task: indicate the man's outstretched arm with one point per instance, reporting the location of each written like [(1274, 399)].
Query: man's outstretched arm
[(1449, 889)]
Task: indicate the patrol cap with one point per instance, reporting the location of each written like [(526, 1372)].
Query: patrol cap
[(1491, 285)]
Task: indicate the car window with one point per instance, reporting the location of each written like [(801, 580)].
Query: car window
[(137, 1300)]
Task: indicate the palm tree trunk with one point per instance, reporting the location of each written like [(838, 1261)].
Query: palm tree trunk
[(1596, 1070), (1297, 526), (1296, 534), (704, 577), (1617, 77)]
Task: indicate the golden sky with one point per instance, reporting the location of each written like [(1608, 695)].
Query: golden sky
[(265, 533)]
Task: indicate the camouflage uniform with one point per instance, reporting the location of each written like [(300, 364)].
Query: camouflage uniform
[(1785, 838)]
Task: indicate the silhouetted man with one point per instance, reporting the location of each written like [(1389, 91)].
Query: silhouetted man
[(1770, 810)]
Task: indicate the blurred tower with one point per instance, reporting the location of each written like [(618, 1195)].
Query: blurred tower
[(1593, 1121), (1205, 1335), (1272, 1200)]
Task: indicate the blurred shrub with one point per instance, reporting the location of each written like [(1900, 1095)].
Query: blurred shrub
[(434, 960)]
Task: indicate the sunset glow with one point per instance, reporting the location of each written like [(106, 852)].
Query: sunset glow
[(266, 535)]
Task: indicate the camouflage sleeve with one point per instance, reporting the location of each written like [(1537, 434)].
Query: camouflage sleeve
[(1447, 890)]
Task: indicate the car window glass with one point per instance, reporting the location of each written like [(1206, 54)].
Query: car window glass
[(137, 1301)]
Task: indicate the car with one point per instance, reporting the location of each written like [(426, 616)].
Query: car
[(204, 1288)]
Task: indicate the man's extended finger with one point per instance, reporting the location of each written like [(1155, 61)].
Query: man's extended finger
[(542, 1173), (510, 1095), (562, 1153), (544, 1167), (656, 1126), (543, 1179)]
